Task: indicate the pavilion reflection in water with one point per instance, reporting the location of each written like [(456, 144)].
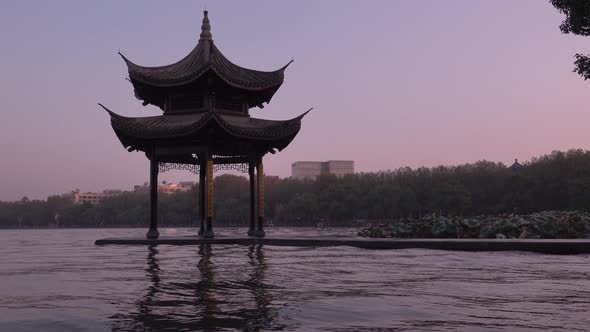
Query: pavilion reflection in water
[(207, 303)]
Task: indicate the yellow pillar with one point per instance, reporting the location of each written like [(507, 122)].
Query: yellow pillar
[(210, 188), (260, 174), (209, 209)]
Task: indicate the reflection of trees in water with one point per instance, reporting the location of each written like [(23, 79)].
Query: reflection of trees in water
[(253, 313)]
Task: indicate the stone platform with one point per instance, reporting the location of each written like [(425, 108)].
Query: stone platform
[(558, 246)]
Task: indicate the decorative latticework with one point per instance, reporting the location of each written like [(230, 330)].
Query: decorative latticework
[(242, 167), (164, 167), (195, 169), (228, 163)]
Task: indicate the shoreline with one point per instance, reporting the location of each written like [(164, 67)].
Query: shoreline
[(544, 246)]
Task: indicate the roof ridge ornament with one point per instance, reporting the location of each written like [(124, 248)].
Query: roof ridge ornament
[(287, 65), (206, 28)]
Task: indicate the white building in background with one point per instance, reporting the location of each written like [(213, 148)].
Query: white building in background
[(313, 169), (94, 198), (169, 188), (306, 169), (166, 188), (338, 167), (90, 198)]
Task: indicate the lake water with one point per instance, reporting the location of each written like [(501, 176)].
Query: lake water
[(58, 280)]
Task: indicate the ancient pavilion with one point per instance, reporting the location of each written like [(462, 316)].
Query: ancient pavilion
[(206, 124)]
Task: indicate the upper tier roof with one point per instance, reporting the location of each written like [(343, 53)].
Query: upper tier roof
[(203, 58)]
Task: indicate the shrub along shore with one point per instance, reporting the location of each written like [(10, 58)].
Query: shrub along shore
[(541, 225), (559, 181)]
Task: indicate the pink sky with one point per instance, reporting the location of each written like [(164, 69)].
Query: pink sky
[(393, 83)]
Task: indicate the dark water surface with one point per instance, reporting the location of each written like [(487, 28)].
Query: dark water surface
[(57, 280)]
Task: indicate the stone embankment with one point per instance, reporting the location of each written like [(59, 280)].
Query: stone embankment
[(541, 225)]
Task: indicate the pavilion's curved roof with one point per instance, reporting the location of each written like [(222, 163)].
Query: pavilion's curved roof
[(200, 60), (203, 58), (175, 126)]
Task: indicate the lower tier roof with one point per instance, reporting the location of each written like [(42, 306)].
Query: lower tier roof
[(135, 133)]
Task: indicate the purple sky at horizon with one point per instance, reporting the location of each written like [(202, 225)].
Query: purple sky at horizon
[(393, 84)]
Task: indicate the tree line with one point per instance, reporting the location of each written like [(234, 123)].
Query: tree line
[(557, 181)]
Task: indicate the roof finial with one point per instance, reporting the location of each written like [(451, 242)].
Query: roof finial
[(206, 27)]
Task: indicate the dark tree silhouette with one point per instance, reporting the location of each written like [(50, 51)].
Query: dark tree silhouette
[(577, 22), (557, 181)]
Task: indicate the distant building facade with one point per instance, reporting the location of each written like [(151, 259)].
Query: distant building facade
[(313, 169), (169, 188), (166, 188), (306, 169), (93, 198)]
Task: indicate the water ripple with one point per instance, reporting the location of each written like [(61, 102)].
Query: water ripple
[(57, 280)]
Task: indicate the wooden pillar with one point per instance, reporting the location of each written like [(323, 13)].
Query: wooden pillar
[(260, 174), (251, 168), (202, 194), (209, 201), (153, 231)]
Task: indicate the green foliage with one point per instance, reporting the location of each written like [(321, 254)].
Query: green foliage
[(546, 225), (582, 65), (577, 22), (558, 181), (577, 16)]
